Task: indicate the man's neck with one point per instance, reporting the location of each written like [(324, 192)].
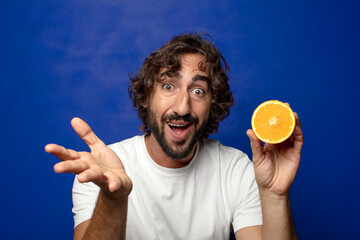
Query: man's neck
[(157, 154)]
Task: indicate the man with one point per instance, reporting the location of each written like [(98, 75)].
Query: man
[(174, 182)]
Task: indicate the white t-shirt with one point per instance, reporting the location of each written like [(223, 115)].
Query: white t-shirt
[(203, 200)]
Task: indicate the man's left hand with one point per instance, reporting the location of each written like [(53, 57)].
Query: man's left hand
[(276, 165)]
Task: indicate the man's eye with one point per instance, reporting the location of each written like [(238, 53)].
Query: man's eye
[(168, 87), (198, 92)]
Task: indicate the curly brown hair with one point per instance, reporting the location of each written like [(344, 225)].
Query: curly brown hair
[(169, 57)]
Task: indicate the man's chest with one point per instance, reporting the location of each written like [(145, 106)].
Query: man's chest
[(192, 206)]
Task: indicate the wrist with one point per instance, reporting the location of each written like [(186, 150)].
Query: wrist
[(277, 217), (113, 197), (275, 198)]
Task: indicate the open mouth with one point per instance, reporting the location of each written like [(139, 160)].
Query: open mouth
[(179, 129)]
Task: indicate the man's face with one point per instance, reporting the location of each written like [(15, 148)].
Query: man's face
[(179, 107)]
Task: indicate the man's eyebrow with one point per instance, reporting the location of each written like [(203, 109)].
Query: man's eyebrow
[(170, 73), (199, 77)]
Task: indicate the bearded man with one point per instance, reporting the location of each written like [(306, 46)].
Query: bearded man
[(174, 182)]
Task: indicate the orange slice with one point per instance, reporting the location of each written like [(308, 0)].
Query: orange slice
[(273, 122)]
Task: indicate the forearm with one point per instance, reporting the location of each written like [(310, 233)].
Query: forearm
[(277, 218), (109, 218)]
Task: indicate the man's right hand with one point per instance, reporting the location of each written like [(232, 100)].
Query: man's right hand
[(101, 166)]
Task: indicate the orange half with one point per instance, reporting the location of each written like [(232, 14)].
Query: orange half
[(273, 122)]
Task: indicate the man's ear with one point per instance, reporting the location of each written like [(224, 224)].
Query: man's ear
[(145, 103)]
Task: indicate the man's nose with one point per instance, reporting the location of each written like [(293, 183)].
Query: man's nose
[(182, 103)]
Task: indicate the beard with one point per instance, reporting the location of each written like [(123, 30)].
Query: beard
[(183, 148)]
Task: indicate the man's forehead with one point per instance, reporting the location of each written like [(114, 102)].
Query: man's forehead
[(192, 60), (195, 59)]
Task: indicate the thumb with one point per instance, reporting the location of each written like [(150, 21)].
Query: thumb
[(256, 145), (86, 133)]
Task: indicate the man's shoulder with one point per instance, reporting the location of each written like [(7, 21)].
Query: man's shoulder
[(126, 143), (129, 148), (213, 144), (229, 160)]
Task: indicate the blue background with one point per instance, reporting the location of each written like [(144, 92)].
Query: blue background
[(61, 59)]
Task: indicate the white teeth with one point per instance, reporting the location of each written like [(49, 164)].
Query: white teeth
[(176, 125)]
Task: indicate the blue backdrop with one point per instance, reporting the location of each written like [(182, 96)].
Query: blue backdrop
[(61, 59)]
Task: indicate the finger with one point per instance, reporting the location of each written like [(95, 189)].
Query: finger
[(61, 152), (114, 183), (76, 166), (93, 174), (298, 134), (84, 131), (256, 145), (298, 123)]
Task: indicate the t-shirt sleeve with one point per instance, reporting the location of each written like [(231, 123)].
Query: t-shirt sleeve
[(243, 193), (84, 196)]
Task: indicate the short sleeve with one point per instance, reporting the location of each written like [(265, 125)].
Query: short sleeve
[(84, 196), (243, 193)]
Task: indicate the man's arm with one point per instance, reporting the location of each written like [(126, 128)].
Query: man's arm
[(275, 170), (107, 222), (102, 167), (80, 230), (249, 233), (277, 220)]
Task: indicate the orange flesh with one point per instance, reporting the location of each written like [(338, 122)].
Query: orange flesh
[(273, 122)]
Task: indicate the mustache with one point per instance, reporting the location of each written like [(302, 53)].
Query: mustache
[(175, 116)]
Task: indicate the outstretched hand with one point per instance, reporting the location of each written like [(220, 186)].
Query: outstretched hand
[(276, 165), (100, 166)]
